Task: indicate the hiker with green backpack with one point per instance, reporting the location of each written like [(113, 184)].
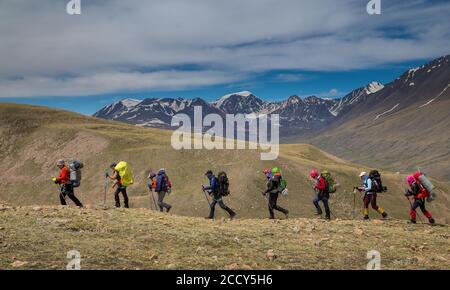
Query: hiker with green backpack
[(322, 189), (276, 185)]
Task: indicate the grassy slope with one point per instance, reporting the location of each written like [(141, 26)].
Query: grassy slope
[(32, 138), (39, 238)]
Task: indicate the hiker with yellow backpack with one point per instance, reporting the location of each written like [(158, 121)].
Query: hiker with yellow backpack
[(122, 177)]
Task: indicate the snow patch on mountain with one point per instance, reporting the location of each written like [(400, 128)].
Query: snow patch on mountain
[(387, 112)]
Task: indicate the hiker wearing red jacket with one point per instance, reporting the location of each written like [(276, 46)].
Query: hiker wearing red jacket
[(420, 194), (322, 193), (65, 184)]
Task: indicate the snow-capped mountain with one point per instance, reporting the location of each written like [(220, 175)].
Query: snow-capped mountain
[(355, 97), (115, 110), (296, 114), (239, 103)]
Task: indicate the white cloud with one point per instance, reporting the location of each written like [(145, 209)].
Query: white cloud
[(44, 51), (333, 92)]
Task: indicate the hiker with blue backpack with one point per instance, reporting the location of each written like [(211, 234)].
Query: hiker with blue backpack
[(275, 185), (68, 179), (163, 187)]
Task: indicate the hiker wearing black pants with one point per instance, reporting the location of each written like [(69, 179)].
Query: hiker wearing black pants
[(120, 189), (214, 190), (163, 187), (274, 189), (66, 186)]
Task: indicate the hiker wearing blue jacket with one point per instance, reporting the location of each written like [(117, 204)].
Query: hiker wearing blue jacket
[(214, 190), (370, 196), (162, 187)]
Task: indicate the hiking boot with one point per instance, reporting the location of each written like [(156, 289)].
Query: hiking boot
[(209, 218), (366, 217), (168, 209), (328, 218), (232, 216), (384, 215), (286, 214), (431, 221), (412, 221)]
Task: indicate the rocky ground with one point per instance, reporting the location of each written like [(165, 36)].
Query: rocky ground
[(40, 237)]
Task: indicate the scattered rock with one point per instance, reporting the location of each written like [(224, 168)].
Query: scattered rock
[(17, 264), (233, 266), (378, 222), (296, 230), (171, 266), (358, 231), (37, 208), (271, 255), (246, 267), (153, 257)]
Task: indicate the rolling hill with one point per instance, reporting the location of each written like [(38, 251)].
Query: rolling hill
[(33, 138)]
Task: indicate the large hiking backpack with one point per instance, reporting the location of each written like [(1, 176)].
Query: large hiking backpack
[(330, 183), (75, 172), (224, 184), (377, 183), (423, 180), (124, 170)]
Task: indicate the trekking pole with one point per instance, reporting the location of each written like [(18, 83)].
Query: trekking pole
[(354, 202), (154, 201), (207, 199), (420, 218), (106, 189)]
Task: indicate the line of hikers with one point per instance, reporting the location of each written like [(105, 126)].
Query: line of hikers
[(420, 188)]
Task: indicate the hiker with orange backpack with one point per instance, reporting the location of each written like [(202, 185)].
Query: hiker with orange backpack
[(66, 186), (152, 186), (420, 194), (323, 195)]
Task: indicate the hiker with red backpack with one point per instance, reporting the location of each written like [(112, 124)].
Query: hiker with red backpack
[(274, 188), (217, 188), (371, 186), (66, 186), (163, 187), (323, 194), (420, 194)]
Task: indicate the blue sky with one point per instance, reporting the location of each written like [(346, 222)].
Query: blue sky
[(274, 85), (207, 48)]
